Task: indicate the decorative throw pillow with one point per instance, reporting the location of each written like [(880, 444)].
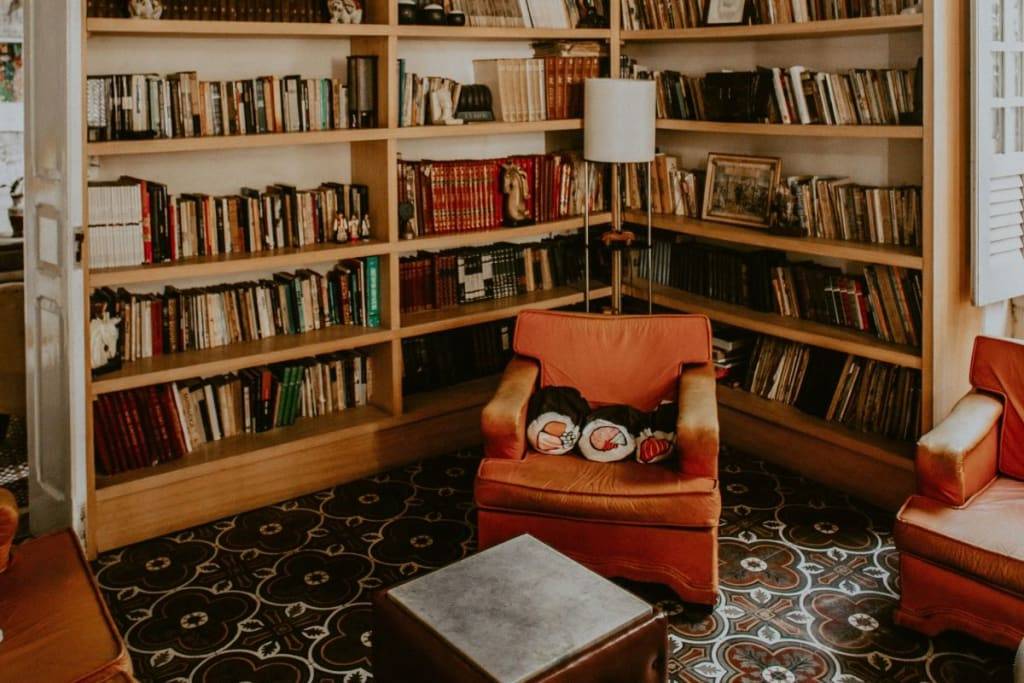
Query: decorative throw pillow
[(554, 418), (609, 434), (658, 438)]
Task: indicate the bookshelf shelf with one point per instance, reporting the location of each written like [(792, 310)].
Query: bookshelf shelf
[(228, 29), (172, 367), (905, 257), (477, 237), (795, 31), (498, 33), (229, 142), (427, 404), (428, 322), (804, 331), (224, 264), (492, 128), (793, 130), (899, 454)]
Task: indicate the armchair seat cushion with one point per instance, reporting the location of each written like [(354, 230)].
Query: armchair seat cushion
[(625, 492), (982, 539), (55, 624)]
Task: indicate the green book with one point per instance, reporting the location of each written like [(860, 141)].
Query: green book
[(372, 291)]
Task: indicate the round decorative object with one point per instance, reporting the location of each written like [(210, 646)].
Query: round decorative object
[(145, 9), (554, 416), (345, 11), (432, 15), (406, 12), (456, 18), (609, 433)]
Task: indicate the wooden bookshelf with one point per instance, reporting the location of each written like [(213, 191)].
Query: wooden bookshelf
[(826, 336), (225, 264), (219, 143), (794, 130), (905, 257), (491, 128), (226, 29), (477, 237), (835, 28), (498, 33)]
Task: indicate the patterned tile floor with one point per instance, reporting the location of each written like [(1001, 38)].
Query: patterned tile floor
[(809, 582)]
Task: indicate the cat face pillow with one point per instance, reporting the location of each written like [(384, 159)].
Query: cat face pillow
[(554, 418), (657, 440), (609, 433)]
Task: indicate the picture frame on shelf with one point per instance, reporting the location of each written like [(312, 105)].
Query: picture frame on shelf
[(725, 12), (740, 189)]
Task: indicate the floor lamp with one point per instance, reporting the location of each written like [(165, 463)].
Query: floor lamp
[(618, 128)]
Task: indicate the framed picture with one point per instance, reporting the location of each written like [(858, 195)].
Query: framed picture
[(741, 189), (725, 12)]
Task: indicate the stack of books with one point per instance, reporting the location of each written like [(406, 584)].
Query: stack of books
[(730, 350), (450, 278), (223, 10), (536, 89), (665, 14), (208, 317), (528, 13), (866, 395), (465, 195), (143, 427), (439, 360), (837, 208), (674, 189), (133, 221), (147, 106), (415, 93), (885, 301)]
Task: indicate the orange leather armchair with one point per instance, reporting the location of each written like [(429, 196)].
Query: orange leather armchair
[(654, 523), (54, 623), (960, 539)]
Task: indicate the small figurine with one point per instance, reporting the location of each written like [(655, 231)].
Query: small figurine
[(340, 228), (103, 336), (145, 9), (364, 228), (442, 108), (514, 185), (353, 229), (345, 11)]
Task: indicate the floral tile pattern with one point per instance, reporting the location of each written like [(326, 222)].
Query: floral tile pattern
[(281, 594)]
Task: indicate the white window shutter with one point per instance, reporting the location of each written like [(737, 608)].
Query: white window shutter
[(997, 150)]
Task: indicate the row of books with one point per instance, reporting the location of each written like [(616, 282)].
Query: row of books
[(463, 195), (674, 189), (207, 317), (134, 221), (142, 427), (179, 105), (536, 89), (450, 278), (222, 10), (529, 13), (793, 95), (439, 360), (866, 395), (665, 14), (885, 301), (837, 208), (418, 97)]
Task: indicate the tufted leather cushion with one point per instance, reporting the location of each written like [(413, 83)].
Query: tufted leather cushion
[(56, 626), (997, 367), (982, 539), (623, 492), (633, 360)]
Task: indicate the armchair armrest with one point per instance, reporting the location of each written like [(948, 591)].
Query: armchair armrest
[(8, 525), (504, 419), (957, 458), (697, 424)]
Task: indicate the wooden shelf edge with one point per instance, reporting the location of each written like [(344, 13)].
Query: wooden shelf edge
[(794, 31), (429, 322), (173, 367), (794, 329), (218, 143), (489, 128), (235, 263), (904, 257), (794, 130), (890, 451), (498, 33), (462, 239), (229, 29)]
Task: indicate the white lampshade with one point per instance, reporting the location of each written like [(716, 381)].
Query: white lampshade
[(618, 120)]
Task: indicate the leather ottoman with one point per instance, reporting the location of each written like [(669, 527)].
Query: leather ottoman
[(518, 612)]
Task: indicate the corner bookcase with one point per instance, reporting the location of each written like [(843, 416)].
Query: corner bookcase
[(250, 470)]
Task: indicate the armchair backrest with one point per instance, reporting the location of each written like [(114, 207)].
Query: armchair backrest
[(997, 367), (631, 359)]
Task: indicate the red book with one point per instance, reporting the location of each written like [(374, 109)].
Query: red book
[(104, 453), (173, 423)]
